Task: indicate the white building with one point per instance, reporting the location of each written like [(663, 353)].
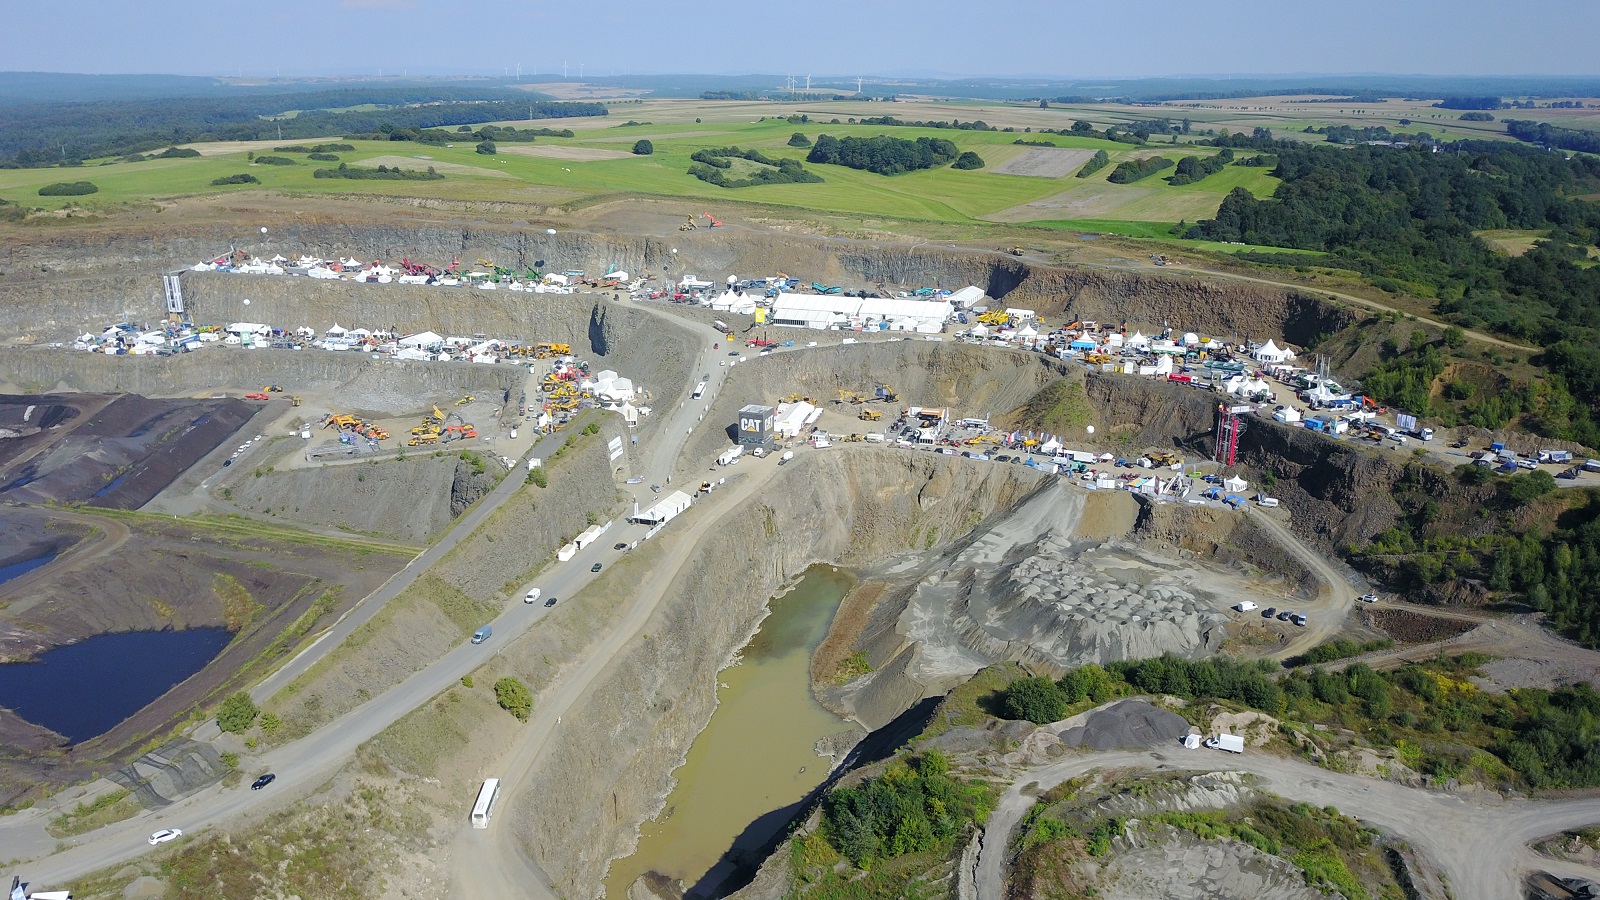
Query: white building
[(823, 311), (663, 512), (791, 418)]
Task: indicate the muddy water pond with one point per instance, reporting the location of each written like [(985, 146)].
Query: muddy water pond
[(757, 755), (85, 689)]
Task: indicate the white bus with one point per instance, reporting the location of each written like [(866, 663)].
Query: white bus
[(699, 390), (484, 808)]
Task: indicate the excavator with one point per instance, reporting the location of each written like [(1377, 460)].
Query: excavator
[(412, 268), (852, 397), (715, 222), (886, 394), (465, 400)]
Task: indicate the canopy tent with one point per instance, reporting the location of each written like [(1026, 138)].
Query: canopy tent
[(1235, 484), (425, 339)]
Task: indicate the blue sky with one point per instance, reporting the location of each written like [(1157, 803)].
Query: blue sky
[(1071, 38)]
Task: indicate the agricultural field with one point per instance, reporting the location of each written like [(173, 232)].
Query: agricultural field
[(596, 165)]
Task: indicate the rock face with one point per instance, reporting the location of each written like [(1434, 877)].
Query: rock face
[(850, 506)]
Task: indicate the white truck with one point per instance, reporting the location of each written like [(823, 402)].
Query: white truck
[(1245, 605), (784, 459), (730, 455), (1232, 743)]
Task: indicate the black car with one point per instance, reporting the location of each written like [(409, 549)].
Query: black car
[(263, 781), (733, 353), (1285, 616), (620, 546), (595, 567), (550, 602), (1002, 458), (1269, 612)]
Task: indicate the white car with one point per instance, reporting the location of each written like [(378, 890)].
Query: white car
[(532, 596), (1369, 598), (164, 835)]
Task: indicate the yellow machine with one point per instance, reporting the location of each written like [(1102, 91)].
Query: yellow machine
[(341, 422), (546, 349), (995, 317), (271, 389), (982, 439), (1015, 251), (869, 415), (426, 429), (295, 401), (422, 440), (852, 397), (852, 438), (689, 224), (465, 400), (888, 394), (1162, 458)]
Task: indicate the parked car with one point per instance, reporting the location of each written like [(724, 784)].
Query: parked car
[(1369, 598), (164, 835), (263, 781), (621, 545), (595, 567), (1269, 612), (1284, 616), (550, 602)]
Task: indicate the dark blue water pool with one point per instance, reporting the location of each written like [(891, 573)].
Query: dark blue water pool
[(84, 690), (18, 569)]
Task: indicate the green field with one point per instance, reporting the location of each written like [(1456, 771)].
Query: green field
[(595, 165)]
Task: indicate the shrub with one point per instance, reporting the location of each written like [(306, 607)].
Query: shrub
[(275, 161), (68, 189), (323, 157), (1039, 700), (514, 697), (487, 148), (536, 476), (643, 148), (237, 713), (178, 153), (799, 140), (1097, 162), (968, 160), (242, 178)]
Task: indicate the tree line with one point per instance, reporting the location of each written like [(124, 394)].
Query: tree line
[(1098, 161), (712, 164), (33, 135), (1194, 168), (1553, 136), (883, 155), (381, 173), (1129, 171)]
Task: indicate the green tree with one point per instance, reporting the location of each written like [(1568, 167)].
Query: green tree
[(643, 147), (1038, 700), (487, 148), (799, 140), (237, 713), (514, 697), (968, 160)]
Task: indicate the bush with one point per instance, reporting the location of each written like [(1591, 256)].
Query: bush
[(237, 713), (799, 140), (242, 178), (1134, 170), (968, 160), (1097, 162), (275, 161), (536, 476), (381, 173), (592, 428), (68, 189), (643, 148), (487, 148), (1038, 700), (514, 697), (177, 153), (323, 157)]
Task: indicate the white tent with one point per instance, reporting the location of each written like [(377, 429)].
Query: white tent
[(1138, 341), (336, 331), (619, 275), (1271, 353), (1235, 484), (555, 278), (1027, 331), (425, 339), (980, 330)]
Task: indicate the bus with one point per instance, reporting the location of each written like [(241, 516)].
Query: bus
[(699, 390), (483, 809)]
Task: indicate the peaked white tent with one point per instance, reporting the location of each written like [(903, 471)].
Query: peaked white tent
[(1235, 484), (1272, 353), (425, 339)]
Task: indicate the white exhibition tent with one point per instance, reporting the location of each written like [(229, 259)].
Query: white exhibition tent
[(1235, 484), (425, 339)]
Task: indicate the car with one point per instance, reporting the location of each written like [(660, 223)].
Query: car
[(595, 567), (1298, 619), (733, 353), (621, 545), (706, 377), (532, 596), (550, 602), (1369, 598), (1284, 616), (1269, 612), (263, 781), (1002, 458), (164, 835)]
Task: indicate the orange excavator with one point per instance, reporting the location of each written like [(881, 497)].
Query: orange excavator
[(715, 222)]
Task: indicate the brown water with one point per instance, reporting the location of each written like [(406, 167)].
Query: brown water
[(756, 756)]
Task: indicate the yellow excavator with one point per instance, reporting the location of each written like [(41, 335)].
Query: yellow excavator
[(852, 397)]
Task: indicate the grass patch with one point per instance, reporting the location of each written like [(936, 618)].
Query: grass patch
[(86, 817), (238, 607), (975, 701), (851, 667)]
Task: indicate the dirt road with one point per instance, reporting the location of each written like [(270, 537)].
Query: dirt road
[(1481, 848), (1325, 618)]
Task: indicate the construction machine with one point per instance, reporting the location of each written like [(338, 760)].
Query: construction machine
[(426, 429), (886, 394), (1015, 251), (869, 414), (295, 401), (852, 397), (422, 440), (465, 400), (258, 395), (412, 268), (995, 317), (546, 350), (715, 222), (1163, 458), (272, 389), (340, 421), (688, 224), (438, 416)]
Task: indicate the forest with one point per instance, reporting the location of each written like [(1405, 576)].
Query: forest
[(883, 155), (1553, 136), (1195, 168), (1406, 219), (712, 163), (40, 134)]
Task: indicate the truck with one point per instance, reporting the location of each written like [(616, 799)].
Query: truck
[(1555, 456), (730, 455), (722, 327), (1232, 743), (1245, 605), (787, 455)]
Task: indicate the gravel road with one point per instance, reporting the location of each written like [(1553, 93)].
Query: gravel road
[(1480, 847)]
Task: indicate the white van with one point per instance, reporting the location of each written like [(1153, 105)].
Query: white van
[(532, 596)]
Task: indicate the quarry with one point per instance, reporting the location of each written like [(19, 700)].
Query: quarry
[(145, 493)]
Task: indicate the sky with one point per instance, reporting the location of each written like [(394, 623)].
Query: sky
[(1062, 38)]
